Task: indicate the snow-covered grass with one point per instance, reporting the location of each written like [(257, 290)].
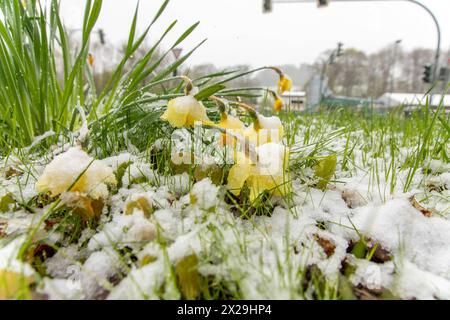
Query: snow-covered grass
[(378, 229)]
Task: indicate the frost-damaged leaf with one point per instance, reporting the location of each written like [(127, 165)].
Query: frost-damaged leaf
[(214, 172), (5, 202), (345, 288), (82, 205), (426, 212), (189, 279), (14, 285), (328, 246), (324, 170), (139, 202)]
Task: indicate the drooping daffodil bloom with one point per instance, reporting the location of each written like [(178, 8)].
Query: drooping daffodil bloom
[(278, 104), (76, 170), (90, 59), (284, 83), (185, 111), (264, 130), (233, 125), (268, 172)]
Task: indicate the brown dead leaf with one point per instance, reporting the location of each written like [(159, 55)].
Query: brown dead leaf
[(381, 255), (426, 212), (12, 172), (328, 246), (364, 293), (3, 225), (141, 203), (82, 205)]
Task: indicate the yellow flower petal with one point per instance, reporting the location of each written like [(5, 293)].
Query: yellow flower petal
[(271, 171), (234, 125), (238, 174), (278, 105), (284, 83), (257, 185), (185, 111)]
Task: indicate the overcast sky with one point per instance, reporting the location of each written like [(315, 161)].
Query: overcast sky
[(238, 32)]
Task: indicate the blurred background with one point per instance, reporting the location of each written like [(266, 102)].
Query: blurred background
[(381, 53)]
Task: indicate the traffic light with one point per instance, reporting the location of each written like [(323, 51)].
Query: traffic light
[(322, 3), (267, 6), (339, 51), (427, 74)]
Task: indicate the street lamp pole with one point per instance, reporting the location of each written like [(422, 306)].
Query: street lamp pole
[(394, 63), (438, 29)]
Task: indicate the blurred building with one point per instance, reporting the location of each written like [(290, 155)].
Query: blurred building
[(412, 100), (296, 100)]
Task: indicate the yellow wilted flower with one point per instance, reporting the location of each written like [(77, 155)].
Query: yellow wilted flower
[(268, 173), (184, 112), (90, 59), (284, 83), (65, 169), (278, 104), (265, 130)]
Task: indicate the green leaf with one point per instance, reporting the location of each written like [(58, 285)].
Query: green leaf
[(324, 170), (209, 91)]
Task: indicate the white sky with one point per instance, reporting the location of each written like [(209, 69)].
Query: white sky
[(238, 32)]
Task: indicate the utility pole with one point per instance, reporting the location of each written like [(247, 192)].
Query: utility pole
[(338, 52), (394, 64)]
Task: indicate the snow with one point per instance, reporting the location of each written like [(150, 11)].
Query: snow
[(398, 227), (124, 230), (416, 283), (8, 258), (130, 253), (96, 272), (204, 194), (61, 289), (59, 265)]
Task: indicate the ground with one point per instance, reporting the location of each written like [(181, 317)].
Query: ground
[(378, 229)]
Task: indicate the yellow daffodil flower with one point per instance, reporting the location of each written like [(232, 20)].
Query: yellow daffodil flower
[(184, 112), (268, 173), (90, 59), (234, 125), (284, 83), (65, 169), (265, 130), (278, 104)]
